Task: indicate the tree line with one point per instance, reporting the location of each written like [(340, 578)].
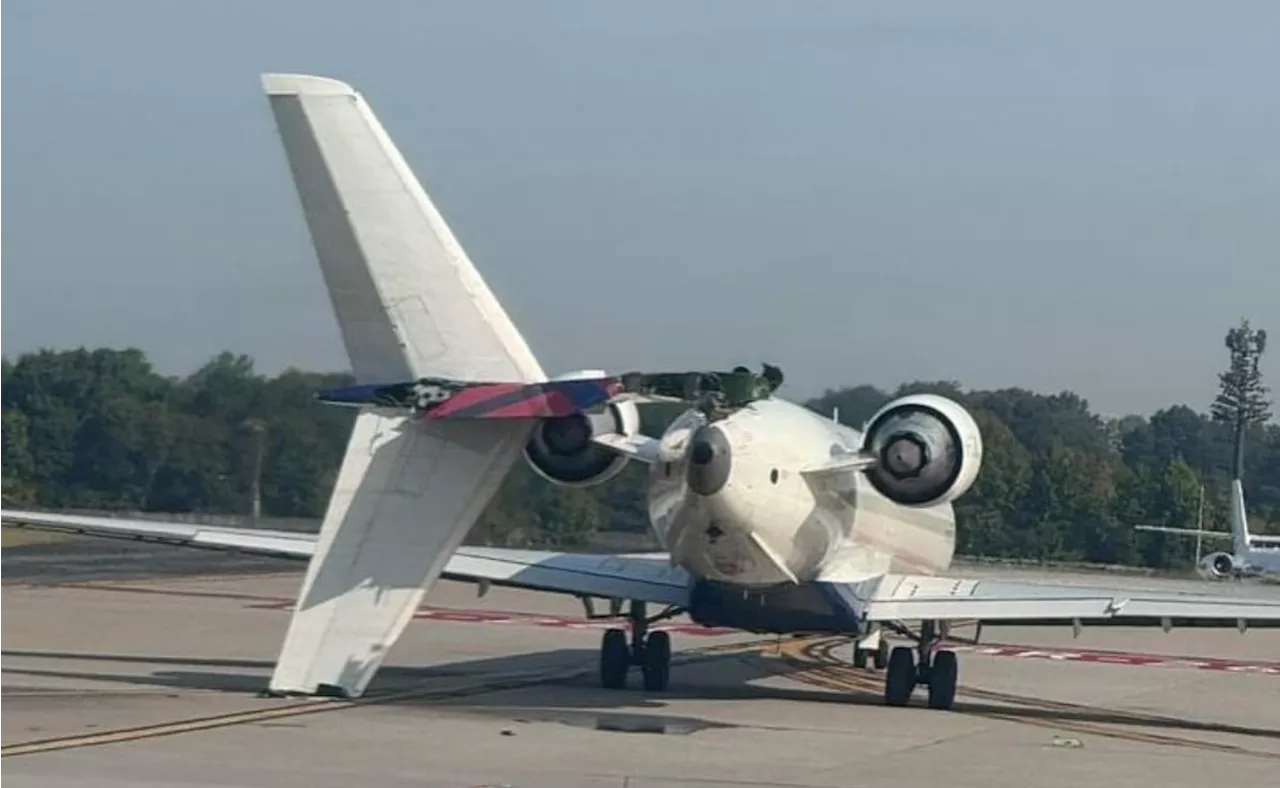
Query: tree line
[(101, 429)]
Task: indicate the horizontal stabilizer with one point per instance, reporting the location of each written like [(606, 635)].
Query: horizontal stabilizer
[(1169, 529), (1254, 539), (445, 398), (436, 398)]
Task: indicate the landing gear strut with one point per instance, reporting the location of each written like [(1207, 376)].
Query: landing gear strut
[(936, 669), (879, 656), (651, 651)]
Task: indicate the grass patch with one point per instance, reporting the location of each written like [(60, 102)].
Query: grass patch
[(13, 537)]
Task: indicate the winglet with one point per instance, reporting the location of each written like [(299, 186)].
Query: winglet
[(304, 85)]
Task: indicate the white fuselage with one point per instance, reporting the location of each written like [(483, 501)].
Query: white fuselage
[(749, 517)]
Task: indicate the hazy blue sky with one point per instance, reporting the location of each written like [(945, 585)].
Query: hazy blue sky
[(1077, 195)]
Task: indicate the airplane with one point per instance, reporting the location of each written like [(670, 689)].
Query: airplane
[(1251, 555), (773, 518)]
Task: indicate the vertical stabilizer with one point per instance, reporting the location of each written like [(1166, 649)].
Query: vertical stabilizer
[(410, 304), (1239, 519)]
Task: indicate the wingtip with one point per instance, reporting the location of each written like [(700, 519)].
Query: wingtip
[(304, 85)]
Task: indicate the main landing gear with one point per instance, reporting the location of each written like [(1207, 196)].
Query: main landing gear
[(651, 651), (936, 669)]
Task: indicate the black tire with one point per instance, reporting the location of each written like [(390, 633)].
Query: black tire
[(882, 654), (900, 677), (942, 680), (656, 666), (859, 657), (615, 659)]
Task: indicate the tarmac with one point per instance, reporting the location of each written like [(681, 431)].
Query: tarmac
[(140, 666)]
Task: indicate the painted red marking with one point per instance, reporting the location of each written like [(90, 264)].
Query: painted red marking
[(1123, 658), (457, 615)]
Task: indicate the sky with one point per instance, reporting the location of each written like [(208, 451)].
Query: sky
[(1055, 196)]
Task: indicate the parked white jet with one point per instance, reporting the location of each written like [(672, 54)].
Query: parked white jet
[(1251, 555), (775, 519)]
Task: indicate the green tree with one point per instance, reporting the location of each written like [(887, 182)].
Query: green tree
[(102, 429), (17, 466), (1242, 398)]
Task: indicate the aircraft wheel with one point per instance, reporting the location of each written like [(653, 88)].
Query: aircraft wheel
[(900, 678), (882, 654), (942, 680), (615, 659), (656, 664), (859, 657)]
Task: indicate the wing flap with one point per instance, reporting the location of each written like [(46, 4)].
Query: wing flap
[(647, 577), (916, 598)]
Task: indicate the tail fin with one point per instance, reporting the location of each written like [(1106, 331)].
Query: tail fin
[(1239, 519), (408, 300)]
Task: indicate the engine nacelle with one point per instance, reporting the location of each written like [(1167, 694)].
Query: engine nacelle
[(561, 450), (928, 450), (1217, 566)]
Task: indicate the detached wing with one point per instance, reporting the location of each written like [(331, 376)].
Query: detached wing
[(648, 577), (896, 597)]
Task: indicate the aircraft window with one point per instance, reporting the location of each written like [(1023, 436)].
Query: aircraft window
[(773, 476)]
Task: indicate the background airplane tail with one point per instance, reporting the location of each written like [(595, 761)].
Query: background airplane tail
[(1239, 519)]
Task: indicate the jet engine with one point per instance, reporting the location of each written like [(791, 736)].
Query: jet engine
[(928, 450), (561, 450), (1217, 566)]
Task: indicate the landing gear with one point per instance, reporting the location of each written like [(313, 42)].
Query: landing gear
[(942, 680), (900, 678), (936, 669), (655, 661), (615, 659), (651, 651), (879, 656)]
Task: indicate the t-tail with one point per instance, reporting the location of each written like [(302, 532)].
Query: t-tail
[(1240, 543), (1219, 565)]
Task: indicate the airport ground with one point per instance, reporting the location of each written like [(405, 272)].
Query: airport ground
[(138, 665)]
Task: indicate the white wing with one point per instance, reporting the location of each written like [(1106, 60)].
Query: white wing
[(925, 598), (408, 299), (648, 577), (410, 304)]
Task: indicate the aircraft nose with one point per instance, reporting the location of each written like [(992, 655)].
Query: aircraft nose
[(709, 461)]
